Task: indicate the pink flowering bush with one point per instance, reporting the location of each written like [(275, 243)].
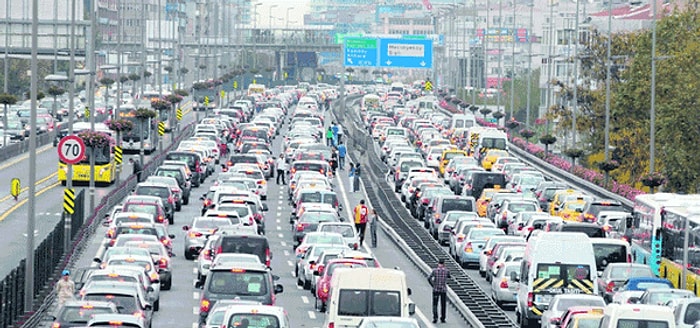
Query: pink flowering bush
[(120, 125)]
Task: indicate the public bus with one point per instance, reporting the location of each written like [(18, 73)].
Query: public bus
[(657, 234), (255, 88), (163, 116), (131, 141), (105, 166)]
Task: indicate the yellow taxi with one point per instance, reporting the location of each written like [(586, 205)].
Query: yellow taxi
[(571, 210), (585, 319), (491, 156), (558, 199), (483, 202), (447, 155)]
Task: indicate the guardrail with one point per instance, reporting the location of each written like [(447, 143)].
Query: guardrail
[(51, 251), (19, 148), (470, 301)]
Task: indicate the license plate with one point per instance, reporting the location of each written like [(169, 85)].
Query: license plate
[(543, 298)]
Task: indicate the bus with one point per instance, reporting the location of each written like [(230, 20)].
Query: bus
[(131, 141), (105, 166), (255, 88), (658, 223)]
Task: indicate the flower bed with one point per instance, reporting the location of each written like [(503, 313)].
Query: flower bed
[(589, 175)]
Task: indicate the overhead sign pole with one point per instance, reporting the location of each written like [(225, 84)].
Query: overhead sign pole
[(29, 257)]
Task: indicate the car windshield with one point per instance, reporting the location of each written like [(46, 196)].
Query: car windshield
[(254, 320), (640, 323), (456, 205), (238, 282), (81, 314), (345, 230), (211, 223), (334, 266), (317, 217), (628, 272), (323, 239), (565, 303), (364, 303), (161, 192), (482, 234), (124, 303), (141, 208)]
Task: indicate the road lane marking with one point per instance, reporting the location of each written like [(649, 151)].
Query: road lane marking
[(312, 315), (279, 228), (424, 319), (24, 201), (25, 156), (305, 299), (194, 270), (195, 310), (290, 264), (286, 252), (280, 235), (195, 325), (195, 295), (284, 244), (42, 180)]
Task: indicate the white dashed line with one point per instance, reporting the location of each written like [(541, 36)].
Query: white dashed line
[(284, 244), (300, 288), (195, 295), (312, 315), (290, 263), (195, 310), (195, 325), (279, 228), (279, 214), (194, 270), (280, 235), (305, 299), (286, 252)]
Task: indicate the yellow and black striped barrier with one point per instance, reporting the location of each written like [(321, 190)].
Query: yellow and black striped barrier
[(161, 128), (87, 112), (178, 114), (118, 154), (69, 200)]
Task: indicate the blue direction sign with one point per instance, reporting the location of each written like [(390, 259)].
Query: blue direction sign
[(360, 51), (406, 53)]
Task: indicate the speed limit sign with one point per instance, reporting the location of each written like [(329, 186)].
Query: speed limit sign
[(71, 149)]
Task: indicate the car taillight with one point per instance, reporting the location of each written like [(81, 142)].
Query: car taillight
[(261, 182), (219, 250), (609, 287), (56, 325), (504, 283), (207, 202), (163, 263), (110, 233), (229, 163), (468, 187), (268, 257), (175, 189), (161, 218), (554, 321), (194, 234), (504, 217), (430, 158), (460, 238), (204, 305), (207, 254), (153, 277), (301, 226), (331, 325), (425, 201), (171, 200), (530, 299), (166, 242), (468, 248)]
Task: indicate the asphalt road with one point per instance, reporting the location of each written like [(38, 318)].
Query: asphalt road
[(181, 304), (48, 200)]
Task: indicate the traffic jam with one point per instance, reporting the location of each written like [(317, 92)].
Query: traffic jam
[(225, 174), (555, 256)]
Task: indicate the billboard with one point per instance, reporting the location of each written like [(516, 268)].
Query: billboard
[(504, 35)]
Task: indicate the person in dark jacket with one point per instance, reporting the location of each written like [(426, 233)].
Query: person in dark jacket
[(138, 169)]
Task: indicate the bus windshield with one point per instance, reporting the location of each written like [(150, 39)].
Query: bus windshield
[(137, 131), (102, 156)]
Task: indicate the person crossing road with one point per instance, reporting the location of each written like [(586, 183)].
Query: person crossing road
[(361, 212)]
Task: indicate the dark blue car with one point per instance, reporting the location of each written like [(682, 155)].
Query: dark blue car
[(644, 283)]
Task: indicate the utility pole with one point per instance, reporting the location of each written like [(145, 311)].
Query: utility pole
[(512, 73), (71, 95), (608, 61), (529, 67), (144, 39), (500, 57), (92, 67), (31, 215), (575, 108), (652, 111), (6, 60)]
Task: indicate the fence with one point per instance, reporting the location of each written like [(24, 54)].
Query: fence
[(22, 147), (50, 258)]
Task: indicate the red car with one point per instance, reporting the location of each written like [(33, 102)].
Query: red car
[(323, 286)]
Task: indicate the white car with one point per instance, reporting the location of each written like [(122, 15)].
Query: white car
[(347, 229)]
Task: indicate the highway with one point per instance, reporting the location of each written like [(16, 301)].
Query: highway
[(49, 198), (180, 305)]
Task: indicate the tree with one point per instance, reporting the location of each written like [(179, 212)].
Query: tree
[(520, 95), (364, 72), (134, 77), (181, 92), (123, 79), (168, 69), (184, 71), (55, 91)]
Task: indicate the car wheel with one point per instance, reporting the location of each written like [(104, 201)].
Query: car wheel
[(188, 256), (482, 273), (307, 284), (168, 284), (171, 219), (263, 197), (156, 305), (186, 201), (178, 206)]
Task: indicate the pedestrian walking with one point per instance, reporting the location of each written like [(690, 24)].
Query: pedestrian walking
[(351, 172), (373, 227), (340, 133), (334, 160), (281, 165), (137, 169), (329, 137), (65, 288), (334, 127), (356, 178), (361, 213), (342, 152), (438, 279)]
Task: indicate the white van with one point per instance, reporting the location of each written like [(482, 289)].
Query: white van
[(609, 250), (367, 292), (555, 263), (637, 315), (460, 121)]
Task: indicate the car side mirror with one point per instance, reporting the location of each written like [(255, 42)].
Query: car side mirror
[(317, 273), (555, 321), (342, 219), (51, 317), (275, 277), (409, 291), (150, 289), (411, 308), (201, 198), (148, 307), (171, 236), (198, 284), (185, 227), (279, 289), (97, 260), (265, 208)]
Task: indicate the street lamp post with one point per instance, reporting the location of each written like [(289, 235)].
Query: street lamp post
[(608, 60), (652, 111), (512, 73), (71, 118), (287, 21), (269, 21), (576, 45), (92, 67), (529, 67), (31, 217)]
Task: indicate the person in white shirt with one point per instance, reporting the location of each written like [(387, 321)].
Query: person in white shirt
[(281, 165)]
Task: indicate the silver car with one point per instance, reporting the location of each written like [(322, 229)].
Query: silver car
[(504, 285), (347, 229), (198, 232)]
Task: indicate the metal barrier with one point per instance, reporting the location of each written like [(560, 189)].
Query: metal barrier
[(51, 258), (472, 302), (22, 147)]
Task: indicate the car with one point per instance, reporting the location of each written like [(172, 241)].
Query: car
[(634, 288), (473, 243), (257, 315), (78, 313), (181, 174), (129, 273), (488, 250), (129, 301), (307, 263), (347, 229), (615, 274), (242, 241), (233, 258), (161, 259), (687, 312), (164, 192), (661, 296), (394, 322), (119, 320), (581, 317), (460, 231), (199, 230), (245, 281), (146, 204), (560, 303), (505, 282), (308, 221), (451, 218), (145, 262)]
